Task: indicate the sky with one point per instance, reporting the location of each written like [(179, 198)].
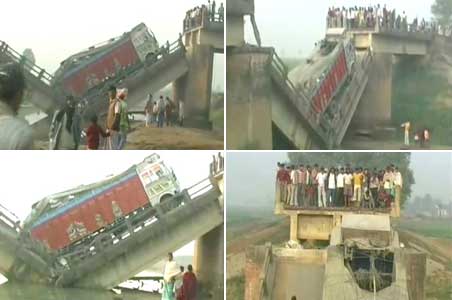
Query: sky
[(250, 176), (54, 30), (31, 176), (293, 26)]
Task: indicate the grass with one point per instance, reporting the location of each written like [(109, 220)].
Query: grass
[(435, 228), (235, 288), (417, 91)]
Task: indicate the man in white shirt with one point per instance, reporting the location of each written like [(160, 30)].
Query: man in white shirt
[(340, 188), (294, 186), (331, 193), (320, 178)]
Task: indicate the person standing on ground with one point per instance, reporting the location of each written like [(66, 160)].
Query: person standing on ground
[(181, 113), (321, 178), (331, 191), (113, 119), (340, 188), (189, 284), (15, 133), (161, 112), (178, 284), (406, 127), (168, 111), (124, 122), (148, 110), (170, 272), (93, 134)]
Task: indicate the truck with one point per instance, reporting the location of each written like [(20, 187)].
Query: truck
[(71, 217), (90, 68)]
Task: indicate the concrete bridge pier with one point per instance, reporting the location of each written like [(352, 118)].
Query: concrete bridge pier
[(249, 104), (208, 263), (195, 87), (376, 101)]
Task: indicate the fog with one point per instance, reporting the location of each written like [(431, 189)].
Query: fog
[(251, 176), (54, 30), (293, 26)]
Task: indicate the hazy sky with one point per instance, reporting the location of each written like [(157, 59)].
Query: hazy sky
[(251, 176), (57, 29), (31, 176), (293, 26)]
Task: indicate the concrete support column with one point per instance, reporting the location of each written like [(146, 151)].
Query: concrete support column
[(376, 101), (235, 35), (294, 228), (208, 263), (248, 107), (195, 88)]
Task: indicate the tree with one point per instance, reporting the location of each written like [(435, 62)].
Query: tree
[(370, 160), (442, 11)]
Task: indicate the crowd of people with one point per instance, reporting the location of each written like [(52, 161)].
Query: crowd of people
[(371, 17), (200, 15), (315, 186), (177, 284), (163, 112)]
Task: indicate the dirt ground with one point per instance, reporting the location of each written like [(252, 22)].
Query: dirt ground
[(176, 138), (167, 138)]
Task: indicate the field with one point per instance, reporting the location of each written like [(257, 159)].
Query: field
[(253, 226), (434, 228)]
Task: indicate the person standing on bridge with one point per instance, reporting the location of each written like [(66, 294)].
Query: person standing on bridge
[(331, 191), (15, 133), (340, 188), (348, 187), (294, 185), (113, 119), (221, 13), (357, 186), (302, 187), (170, 272), (321, 178)]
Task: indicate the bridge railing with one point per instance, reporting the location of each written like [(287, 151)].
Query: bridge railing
[(38, 72), (129, 226), (267, 274), (217, 165), (318, 122), (9, 219)]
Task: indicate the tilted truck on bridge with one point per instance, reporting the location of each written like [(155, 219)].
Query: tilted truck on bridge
[(76, 216), (92, 68)]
